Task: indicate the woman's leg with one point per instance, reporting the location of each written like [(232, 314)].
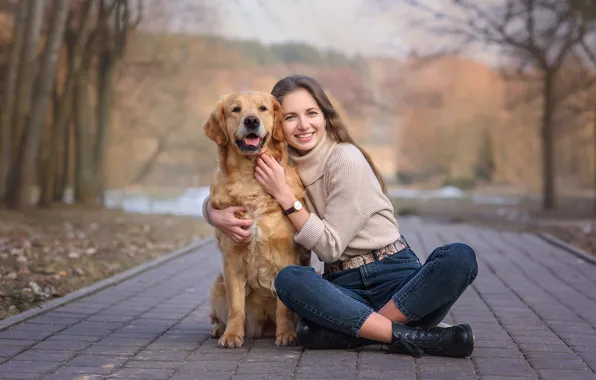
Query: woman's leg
[(422, 302), (427, 297), (329, 305), (332, 312), (337, 308)]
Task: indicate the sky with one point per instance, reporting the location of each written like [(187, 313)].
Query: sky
[(351, 26)]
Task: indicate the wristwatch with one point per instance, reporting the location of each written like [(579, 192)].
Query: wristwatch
[(297, 205)]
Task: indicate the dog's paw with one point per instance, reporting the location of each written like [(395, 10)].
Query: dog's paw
[(286, 338), (229, 340), (217, 330)]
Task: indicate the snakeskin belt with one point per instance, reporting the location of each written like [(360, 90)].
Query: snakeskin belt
[(375, 255)]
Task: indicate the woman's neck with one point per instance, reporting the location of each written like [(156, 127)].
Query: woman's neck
[(311, 164), (304, 154)]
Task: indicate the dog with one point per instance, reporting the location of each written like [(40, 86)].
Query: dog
[(243, 299)]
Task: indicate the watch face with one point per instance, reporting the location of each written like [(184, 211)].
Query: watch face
[(297, 205)]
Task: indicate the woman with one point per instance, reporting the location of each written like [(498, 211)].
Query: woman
[(374, 290)]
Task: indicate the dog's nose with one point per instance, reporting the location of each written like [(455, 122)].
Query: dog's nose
[(251, 122)]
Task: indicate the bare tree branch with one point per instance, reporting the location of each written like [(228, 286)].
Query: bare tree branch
[(544, 37)]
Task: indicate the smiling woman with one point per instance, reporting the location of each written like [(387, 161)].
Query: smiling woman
[(304, 122), (308, 109)]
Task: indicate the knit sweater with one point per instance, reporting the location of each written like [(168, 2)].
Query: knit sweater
[(349, 214)]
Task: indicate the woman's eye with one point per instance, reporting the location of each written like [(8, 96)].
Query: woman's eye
[(312, 113), (289, 117), (236, 109), (263, 108)]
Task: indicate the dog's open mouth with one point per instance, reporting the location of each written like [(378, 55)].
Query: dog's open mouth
[(251, 142)]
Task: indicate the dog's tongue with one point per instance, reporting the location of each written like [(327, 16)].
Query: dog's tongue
[(252, 141)]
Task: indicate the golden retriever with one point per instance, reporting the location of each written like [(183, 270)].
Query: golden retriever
[(243, 300)]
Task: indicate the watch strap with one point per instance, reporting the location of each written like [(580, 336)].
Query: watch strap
[(290, 210), (293, 208)]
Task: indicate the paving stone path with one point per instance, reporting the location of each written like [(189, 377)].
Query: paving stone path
[(532, 308)]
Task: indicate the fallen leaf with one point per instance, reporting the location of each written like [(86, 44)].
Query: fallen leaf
[(35, 288)]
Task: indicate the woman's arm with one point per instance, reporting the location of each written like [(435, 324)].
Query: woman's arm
[(298, 218), (270, 174), (351, 190), (226, 221)]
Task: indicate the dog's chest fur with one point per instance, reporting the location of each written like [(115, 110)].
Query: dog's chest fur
[(271, 246)]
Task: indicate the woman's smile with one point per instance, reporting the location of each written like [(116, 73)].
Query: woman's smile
[(305, 137)]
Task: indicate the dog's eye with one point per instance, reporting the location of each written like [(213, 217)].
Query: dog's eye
[(262, 108), (236, 109)]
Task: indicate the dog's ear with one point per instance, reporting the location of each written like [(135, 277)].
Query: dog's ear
[(215, 126), (278, 150), (278, 114)]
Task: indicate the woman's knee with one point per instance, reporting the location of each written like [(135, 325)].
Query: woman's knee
[(288, 277), (463, 257)]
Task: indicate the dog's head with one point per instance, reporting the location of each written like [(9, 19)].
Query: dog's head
[(249, 121)]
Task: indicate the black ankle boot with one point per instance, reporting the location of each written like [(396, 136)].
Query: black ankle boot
[(310, 335), (455, 341)]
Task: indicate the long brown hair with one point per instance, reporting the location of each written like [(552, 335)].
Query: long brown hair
[(335, 125)]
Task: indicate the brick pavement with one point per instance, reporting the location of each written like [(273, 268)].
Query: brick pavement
[(532, 307)]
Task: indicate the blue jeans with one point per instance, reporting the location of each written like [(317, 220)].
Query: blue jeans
[(343, 300)]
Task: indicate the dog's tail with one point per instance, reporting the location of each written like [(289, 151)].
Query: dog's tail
[(217, 292)]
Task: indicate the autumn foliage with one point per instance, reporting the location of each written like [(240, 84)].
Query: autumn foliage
[(449, 120)]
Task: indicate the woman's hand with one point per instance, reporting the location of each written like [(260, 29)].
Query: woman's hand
[(229, 224), (271, 176)]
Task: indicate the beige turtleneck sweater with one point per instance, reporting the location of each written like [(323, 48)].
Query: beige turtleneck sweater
[(350, 215)]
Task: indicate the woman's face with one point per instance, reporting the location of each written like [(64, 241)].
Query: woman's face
[(303, 121)]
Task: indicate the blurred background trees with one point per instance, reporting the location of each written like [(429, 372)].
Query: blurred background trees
[(104, 95), (548, 45), (52, 135)]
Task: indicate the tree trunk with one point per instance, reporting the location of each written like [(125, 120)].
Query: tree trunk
[(27, 70), (25, 165), (75, 41), (548, 144), (54, 158), (9, 94), (83, 141), (55, 164), (62, 182), (105, 72), (47, 161), (57, 146), (594, 158)]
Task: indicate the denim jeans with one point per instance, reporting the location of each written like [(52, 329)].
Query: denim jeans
[(342, 301)]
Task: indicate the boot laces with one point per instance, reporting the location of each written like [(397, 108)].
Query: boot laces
[(409, 343)]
